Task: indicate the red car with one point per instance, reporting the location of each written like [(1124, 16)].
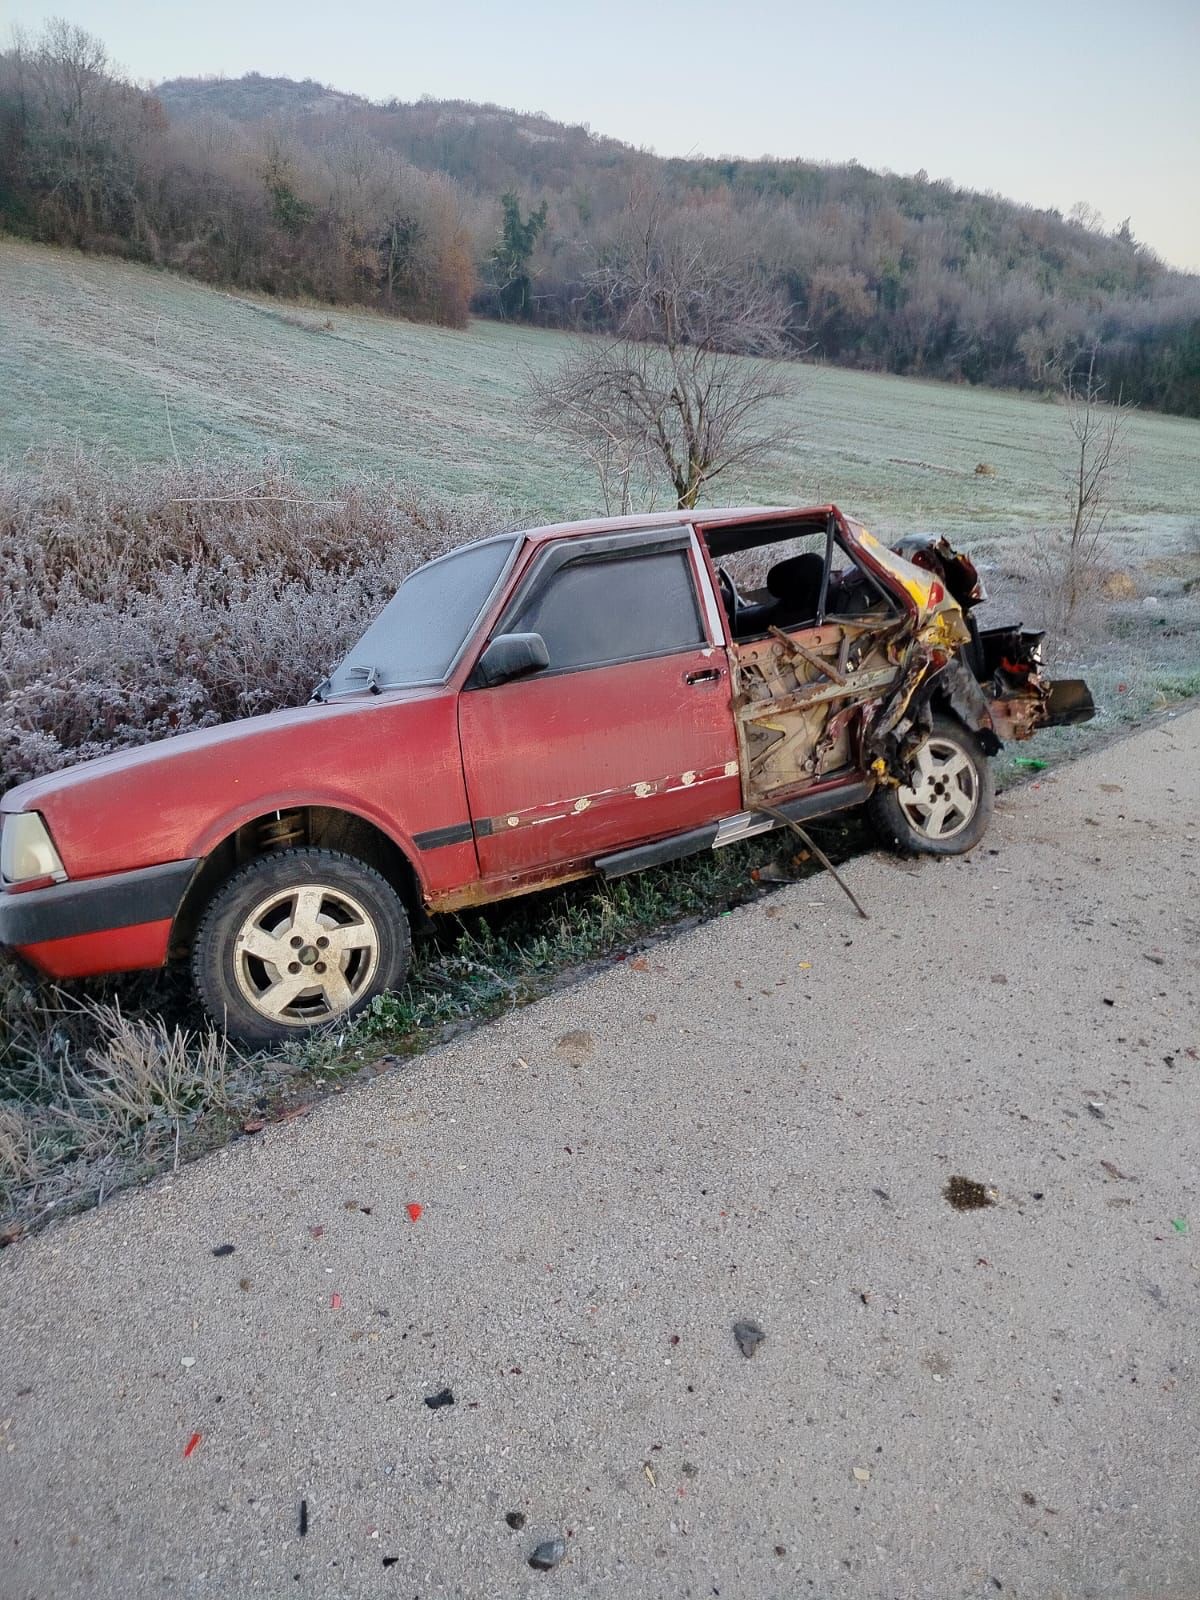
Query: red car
[(594, 697)]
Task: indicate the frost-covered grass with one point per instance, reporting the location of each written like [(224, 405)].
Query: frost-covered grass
[(138, 364)]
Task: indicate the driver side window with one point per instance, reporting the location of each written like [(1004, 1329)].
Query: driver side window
[(598, 610)]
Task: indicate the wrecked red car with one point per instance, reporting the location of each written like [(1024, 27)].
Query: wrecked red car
[(594, 697)]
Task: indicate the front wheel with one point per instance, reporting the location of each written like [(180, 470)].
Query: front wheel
[(945, 807), (297, 939)]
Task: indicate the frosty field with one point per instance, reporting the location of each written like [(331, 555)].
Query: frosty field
[(137, 365)]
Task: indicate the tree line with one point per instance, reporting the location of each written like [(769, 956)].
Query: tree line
[(438, 208), (90, 160)]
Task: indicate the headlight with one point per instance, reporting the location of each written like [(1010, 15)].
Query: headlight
[(27, 850)]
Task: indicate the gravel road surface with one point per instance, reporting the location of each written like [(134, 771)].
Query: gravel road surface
[(755, 1121)]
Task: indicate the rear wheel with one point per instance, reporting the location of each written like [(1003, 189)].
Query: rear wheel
[(298, 939), (945, 807)]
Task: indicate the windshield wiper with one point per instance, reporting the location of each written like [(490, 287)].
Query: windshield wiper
[(370, 677)]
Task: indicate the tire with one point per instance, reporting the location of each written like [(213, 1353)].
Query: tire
[(946, 810), (265, 932)]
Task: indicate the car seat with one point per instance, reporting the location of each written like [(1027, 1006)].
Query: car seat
[(795, 585)]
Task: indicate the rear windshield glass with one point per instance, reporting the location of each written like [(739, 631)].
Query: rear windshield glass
[(418, 634)]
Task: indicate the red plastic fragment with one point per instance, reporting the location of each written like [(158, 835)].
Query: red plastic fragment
[(191, 1444), (335, 1301), (414, 1210)]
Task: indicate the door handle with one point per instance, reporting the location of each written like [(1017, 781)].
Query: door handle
[(708, 675)]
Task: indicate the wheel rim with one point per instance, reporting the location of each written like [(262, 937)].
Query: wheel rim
[(944, 794), (305, 955)]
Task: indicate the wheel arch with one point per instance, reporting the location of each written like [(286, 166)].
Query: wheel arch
[(323, 826)]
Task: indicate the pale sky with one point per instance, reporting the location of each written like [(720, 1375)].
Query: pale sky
[(1046, 101)]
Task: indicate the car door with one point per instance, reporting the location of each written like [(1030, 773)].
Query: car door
[(628, 734)]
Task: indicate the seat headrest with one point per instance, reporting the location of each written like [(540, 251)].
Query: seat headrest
[(797, 577)]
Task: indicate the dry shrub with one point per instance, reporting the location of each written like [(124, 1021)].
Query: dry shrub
[(19, 1159), (93, 1095), (143, 1069), (147, 602), (1066, 592)]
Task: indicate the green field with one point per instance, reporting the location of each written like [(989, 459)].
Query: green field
[(136, 364)]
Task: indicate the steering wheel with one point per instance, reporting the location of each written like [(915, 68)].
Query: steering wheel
[(729, 598)]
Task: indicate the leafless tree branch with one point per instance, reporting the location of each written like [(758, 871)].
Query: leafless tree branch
[(678, 389)]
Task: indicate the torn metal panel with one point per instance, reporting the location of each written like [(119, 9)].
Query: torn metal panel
[(797, 695), (1021, 698), (936, 554), (960, 689)]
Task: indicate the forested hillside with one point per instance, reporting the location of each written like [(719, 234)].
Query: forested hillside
[(434, 208)]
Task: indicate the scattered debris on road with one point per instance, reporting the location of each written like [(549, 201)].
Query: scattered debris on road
[(1114, 1171), (223, 1249), (548, 1554), (964, 1194), (862, 1474), (749, 1336), (303, 1518), (444, 1397), (414, 1211), (515, 1520), (191, 1445)]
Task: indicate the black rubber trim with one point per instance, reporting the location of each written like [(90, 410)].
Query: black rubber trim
[(435, 838), (839, 797), (456, 833), (823, 802), (655, 855), (122, 900)]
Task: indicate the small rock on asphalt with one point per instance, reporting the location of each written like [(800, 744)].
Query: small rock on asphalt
[(749, 1336), (515, 1520), (444, 1397), (548, 1554)]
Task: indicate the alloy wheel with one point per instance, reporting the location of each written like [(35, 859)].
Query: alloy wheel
[(944, 793), (303, 955)]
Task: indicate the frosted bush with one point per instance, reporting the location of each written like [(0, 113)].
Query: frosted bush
[(149, 602)]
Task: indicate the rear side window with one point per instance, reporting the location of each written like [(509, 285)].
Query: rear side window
[(617, 608)]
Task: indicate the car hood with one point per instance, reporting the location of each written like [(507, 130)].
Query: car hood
[(222, 741)]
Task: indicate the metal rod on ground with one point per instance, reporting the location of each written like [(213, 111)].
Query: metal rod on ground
[(810, 842)]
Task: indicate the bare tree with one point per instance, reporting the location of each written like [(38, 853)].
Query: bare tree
[(1097, 458), (676, 389), (1098, 461)]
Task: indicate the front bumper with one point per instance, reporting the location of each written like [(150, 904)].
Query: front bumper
[(79, 928)]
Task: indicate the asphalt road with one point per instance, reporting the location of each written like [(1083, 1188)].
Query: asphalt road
[(760, 1124)]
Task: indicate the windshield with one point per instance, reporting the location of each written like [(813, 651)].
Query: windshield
[(419, 633)]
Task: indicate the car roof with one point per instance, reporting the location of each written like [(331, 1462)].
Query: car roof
[(707, 517)]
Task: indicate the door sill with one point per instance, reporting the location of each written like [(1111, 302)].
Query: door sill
[(732, 830)]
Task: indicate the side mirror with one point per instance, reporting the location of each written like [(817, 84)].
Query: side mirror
[(511, 655)]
